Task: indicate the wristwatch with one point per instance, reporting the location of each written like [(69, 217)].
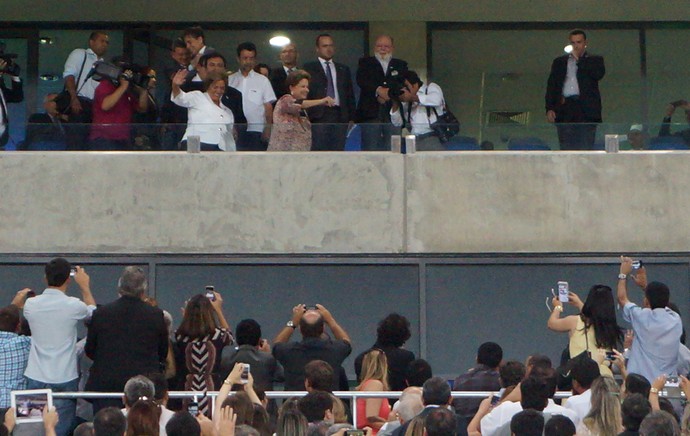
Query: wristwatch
[(290, 324), (622, 276)]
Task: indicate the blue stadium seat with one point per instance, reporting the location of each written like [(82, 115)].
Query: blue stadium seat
[(527, 144), (354, 140), (462, 143), (667, 143)]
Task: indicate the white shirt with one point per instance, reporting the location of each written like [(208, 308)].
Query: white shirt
[(256, 91), (429, 96), (580, 404), (85, 88), (570, 86), (3, 108), (53, 318), (212, 123), (504, 412), (384, 62), (331, 66)]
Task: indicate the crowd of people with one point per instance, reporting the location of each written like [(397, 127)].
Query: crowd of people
[(287, 107), (620, 383)]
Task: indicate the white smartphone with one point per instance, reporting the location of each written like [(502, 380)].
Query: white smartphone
[(29, 405), (563, 292)]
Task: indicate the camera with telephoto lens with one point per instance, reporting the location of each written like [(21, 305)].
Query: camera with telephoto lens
[(133, 73), (11, 68), (395, 84)]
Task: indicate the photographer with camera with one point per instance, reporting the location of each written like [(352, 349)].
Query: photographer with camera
[(8, 95), (116, 99), (666, 126), (417, 108), (376, 75)]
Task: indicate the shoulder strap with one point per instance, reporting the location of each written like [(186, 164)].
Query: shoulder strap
[(81, 70)]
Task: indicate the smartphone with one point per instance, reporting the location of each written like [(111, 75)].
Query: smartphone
[(73, 271), (610, 355), (210, 293), (355, 432), (310, 307), (563, 292), (30, 294), (495, 399), (193, 408), (672, 387), (636, 264), (245, 373)]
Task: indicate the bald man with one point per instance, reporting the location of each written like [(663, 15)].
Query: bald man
[(374, 76), (315, 344), (288, 63)]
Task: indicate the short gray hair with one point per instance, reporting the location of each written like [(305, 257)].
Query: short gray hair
[(133, 282), (138, 387), (409, 405)]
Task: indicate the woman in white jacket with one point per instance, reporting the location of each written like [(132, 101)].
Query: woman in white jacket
[(207, 117)]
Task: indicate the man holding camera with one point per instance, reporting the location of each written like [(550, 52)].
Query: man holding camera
[(666, 126), (417, 108), (374, 77), (114, 104), (8, 95), (294, 356)]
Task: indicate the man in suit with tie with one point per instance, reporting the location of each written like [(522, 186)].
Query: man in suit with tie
[(332, 79), (573, 100), (288, 63), (45, 131), (373, 111), (8, 95)]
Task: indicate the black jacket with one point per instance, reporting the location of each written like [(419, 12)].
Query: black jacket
[(318, 86), (126, 338), (590, 69), (370, 76)]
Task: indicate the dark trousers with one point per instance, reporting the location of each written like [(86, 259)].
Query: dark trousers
[(376, 135), (329, 132), (250, 141), (203, 146), (575, 130), (78, 127), (101, 144)]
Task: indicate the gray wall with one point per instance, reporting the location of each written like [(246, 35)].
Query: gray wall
[(348, 203), (453, 303), (354, 10)]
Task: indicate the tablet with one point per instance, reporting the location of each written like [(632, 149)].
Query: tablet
[(29, 405)]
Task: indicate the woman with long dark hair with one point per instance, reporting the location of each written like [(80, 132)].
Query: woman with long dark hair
[(199, 342), (595, 329)]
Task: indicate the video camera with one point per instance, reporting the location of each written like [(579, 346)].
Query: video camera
[(11, 68), (133, 73)]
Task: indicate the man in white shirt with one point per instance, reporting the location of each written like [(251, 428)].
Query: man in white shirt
[(53, 317), (419, 107), (257, 99), (77, 68), (583, 372), (15, 94), (537, 392)]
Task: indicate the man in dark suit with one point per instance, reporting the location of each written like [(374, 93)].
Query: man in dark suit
[(45, 131), (288, 62), (573, 101), (126, 337), (435, 395), (7, 95), (374, 75), (329, 78)]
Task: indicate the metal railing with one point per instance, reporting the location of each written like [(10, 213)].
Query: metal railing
[(352, 395)]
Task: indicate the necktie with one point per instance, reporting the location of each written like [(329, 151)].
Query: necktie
[(330, 89)]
